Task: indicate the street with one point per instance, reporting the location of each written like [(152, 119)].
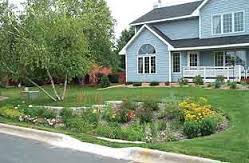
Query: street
[(19, 150)]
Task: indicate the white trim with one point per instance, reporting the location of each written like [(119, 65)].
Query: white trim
[(173, 62), (212, 47), (143, 58), (197, 11), (126, 68), (162, 20), (198, 57), (123, 51), (224, 58), (170, 67)]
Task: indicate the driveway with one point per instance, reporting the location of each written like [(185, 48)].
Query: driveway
[(19, 150)]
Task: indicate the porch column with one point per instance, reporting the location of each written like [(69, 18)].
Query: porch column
[(170, 67)]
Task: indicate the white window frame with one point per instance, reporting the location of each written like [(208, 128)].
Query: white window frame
[(224, 58), (233, 23), (172, 66), (149, 56), (198, 57)]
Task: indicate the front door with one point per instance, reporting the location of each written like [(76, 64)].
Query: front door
[(193, 59)]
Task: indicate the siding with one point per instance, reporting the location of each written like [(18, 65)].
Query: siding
[(162, 59), (181, 29), (222, 6)]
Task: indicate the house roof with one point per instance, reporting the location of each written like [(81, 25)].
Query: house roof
[(169, 12), (210, 42)]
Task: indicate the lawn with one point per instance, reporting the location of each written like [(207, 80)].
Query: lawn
[(231, 145)]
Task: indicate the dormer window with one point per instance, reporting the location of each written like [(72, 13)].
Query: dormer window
[(146, 62), (228, 23)]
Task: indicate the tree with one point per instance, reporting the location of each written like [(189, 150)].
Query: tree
[(125, 37), (45, 38)]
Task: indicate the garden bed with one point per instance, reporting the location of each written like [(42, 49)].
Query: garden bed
[(167, 120)]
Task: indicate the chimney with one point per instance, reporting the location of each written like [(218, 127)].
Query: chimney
[(157, 4)]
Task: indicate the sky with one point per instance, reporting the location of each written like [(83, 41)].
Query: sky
[(126, 11)]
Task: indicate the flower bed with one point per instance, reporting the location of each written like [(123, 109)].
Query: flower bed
[(170, 119)]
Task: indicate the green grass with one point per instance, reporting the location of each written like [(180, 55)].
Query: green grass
[(231, 145)]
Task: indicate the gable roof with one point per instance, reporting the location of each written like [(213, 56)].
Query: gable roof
[(154, 31), (170, 13), (193, 43)]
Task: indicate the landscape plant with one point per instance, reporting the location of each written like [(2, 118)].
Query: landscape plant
[(198, 80)]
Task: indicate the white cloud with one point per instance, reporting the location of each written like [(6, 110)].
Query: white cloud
[(126, 11)]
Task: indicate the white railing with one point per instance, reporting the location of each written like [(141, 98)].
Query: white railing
[(209, 73)]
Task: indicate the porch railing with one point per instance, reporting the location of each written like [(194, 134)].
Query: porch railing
[(209, 73)]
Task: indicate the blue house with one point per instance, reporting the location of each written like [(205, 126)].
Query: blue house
[(209, 38)]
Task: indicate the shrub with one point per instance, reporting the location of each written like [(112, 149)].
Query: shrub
[(49, 114), (66, 113), (154, 84), (208, 126), (134, 132), (233, 85), (183, 81), (191, 129), (112, 131), (91, 116), (210, 85), (167, 83), (151, 105), (196, 110), (220, 79), (10, 112), (198, 80), (145, 116), (78, 125), (137, 84), (104, 82), (217, 84), (114, 78)]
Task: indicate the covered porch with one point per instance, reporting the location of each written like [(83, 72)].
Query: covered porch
[(232, 64)]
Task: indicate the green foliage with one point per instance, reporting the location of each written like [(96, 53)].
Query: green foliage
[(145, 115), (217, 84), (198, 80), (125, 37), (137, 84), (104, 82), (39, 112), (154, 84), (66, 113), (220, 79), (135, 132), (151, 105), (91, 116), (10, 112), (183, 81), (112, 131), (191, 129), (114, 78), (78, 124), (232, 85), (208, 126)]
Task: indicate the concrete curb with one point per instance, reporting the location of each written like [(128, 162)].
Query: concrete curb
[(131, 154)]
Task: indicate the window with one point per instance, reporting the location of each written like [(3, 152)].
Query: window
[(219, 59), (193, 59), (140, 65), (146, 60), (238, 21), (217, 24), (176, 60), (227, 23), (147, 65), (153, 64)]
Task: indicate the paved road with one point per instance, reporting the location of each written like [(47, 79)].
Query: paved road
[(19, 150)]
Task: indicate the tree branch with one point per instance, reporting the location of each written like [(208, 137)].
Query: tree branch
[(65, 89)]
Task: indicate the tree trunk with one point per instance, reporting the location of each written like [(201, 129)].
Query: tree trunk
[(65, 89), (53, 85), (42, 89)]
